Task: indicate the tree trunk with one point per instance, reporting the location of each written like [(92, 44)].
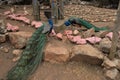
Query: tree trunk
[(36, 10), (54, 11), (60, 9), (115, 38)]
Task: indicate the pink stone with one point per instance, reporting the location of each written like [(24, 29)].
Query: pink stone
[(110, 35), (36, 24), (19, 18), (59, 36), (7, 12), (93, 40), (76, 39), (21, 14), (12, 28), (23, 19), (81, 41), (70, 37), (68, 32), (12, 16)]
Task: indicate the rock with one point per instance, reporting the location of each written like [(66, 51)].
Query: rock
[(2, 27), (19, 39), (117, 62), (93, 40), (77, 40), (107, 63), (118, 45), (89, 33), (56, 52), (12, 28), (118, 53), (36, 24), (101, 33), (16, 59), (111, 74), (4, 49), (105, 45), (75, 32), (87, 53), (7, 13), (59, 36), (17, 52), (68, 32), (2, 38), (109, 35), (65, 39)]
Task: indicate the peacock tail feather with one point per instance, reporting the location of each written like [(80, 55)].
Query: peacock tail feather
[(80, 21), (30, 58)]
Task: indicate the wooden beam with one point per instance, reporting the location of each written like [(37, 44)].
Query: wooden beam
[(36, 10), (60, 9), (115, 38)]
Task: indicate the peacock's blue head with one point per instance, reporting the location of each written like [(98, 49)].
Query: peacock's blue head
[(67, 23), (48, 26)]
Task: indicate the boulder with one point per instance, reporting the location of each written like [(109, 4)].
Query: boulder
[(89, 33), (111, 74), (105, 45), (107, 63), (56, 52), (17, 52), (19, 39), (2, 38), (4, 49), (87, 53)]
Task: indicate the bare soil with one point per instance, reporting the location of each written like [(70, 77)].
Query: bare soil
[(66, 71)]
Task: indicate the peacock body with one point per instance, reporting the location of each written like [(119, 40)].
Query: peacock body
[(31, 56)]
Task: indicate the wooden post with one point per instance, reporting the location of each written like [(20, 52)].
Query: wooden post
[(36, 10), (60, 9), (115, 38), (54, 10)]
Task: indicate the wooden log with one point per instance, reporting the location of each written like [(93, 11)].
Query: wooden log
[(115, 38), (36, 10)]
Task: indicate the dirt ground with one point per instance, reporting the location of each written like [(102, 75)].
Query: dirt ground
[(68, 71)]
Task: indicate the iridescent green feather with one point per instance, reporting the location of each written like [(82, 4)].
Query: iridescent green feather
[(30, 58)]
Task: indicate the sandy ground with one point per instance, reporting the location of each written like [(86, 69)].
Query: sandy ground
[(67, 71)]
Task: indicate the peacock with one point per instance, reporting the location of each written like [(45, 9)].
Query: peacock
[(32, 55), (80, 21)]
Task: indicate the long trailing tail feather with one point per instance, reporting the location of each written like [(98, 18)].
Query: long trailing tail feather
[(30, 58), (80, 21)]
